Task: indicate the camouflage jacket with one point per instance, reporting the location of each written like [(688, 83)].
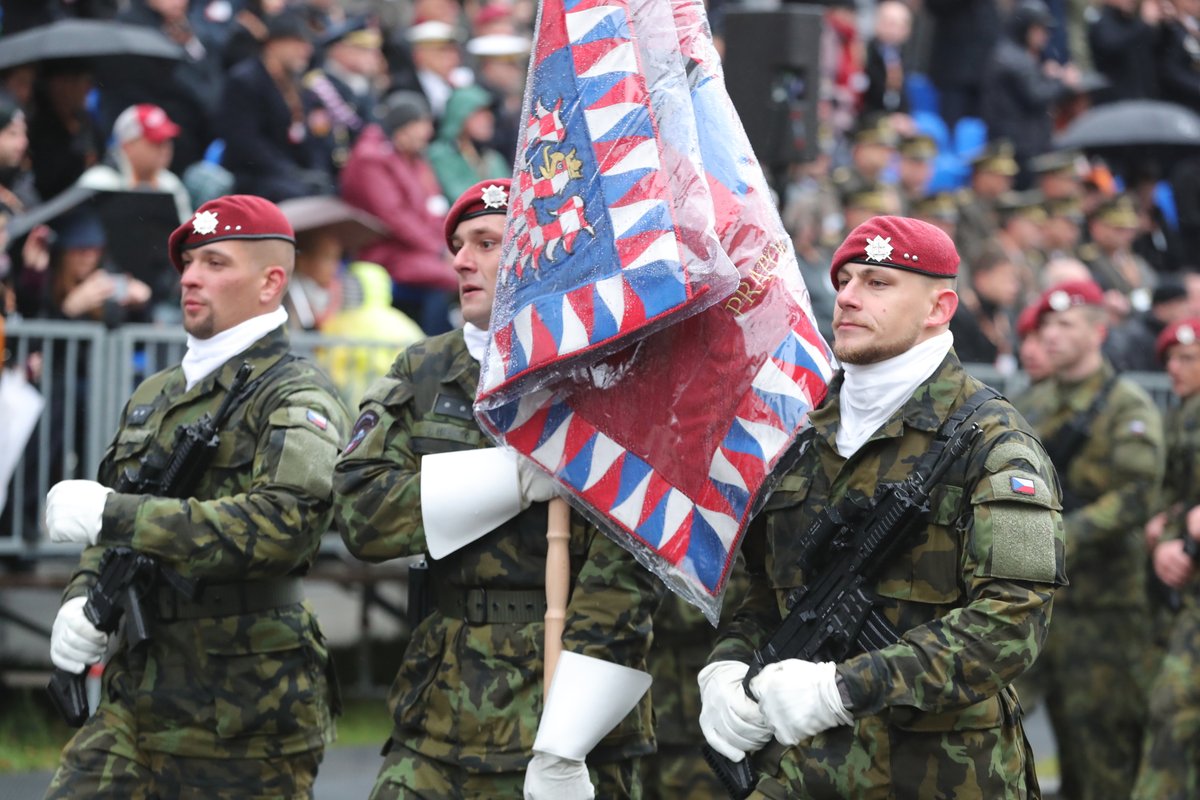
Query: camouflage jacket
[(971, 597), (471, 693), (1180, 490), (247, 685), (1115, 475)]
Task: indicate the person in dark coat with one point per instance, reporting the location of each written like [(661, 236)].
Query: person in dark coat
[(269, 147), (885, 64), (1179, 56), (64, 140), (965, 31), (1122, 37), (187, 90), (1131, 344), (1020, 89)]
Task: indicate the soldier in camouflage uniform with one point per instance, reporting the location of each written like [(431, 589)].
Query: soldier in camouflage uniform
[(683, 638), (873, 144), (230, 698), (468, 698), (1093, 672), (1125, 276), (914, 170), (992, 173), (1170, 767), (932, 715)]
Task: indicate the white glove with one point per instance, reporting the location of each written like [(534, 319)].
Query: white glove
[(75, 511), (74, 640), (800, 699), (730, 720), (536, 486), (552, 778)]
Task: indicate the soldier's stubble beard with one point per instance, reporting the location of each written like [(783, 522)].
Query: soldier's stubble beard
[(877, 349)]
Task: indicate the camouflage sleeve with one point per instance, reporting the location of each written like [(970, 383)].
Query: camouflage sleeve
[(377, 480), (1010, 566), (1133, 475), (272, 527), (756, 613), (612, 603)]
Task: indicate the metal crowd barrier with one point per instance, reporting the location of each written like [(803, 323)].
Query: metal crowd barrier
[(88, 373)]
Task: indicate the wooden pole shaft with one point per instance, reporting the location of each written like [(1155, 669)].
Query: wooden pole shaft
[(558, 582)]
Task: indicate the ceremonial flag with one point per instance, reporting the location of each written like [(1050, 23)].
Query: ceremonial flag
[(651, 341)]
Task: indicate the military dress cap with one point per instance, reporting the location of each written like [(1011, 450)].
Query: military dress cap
[(1118, 212), (485, 197), (899, 242), (356, 32), (1027, 204), (918, 147), (997, 156), (1167, 292), (288, 25), (1184, 331), (498, 45), (1067, 207), (874, 129), (432, 31), (869, 198), (234, 216), (1067, 295), (937, 206), (1054, 162)]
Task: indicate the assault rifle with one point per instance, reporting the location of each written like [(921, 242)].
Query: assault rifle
[(127, 576), (836, 613)]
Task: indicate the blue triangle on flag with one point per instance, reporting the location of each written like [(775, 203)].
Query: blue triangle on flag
[(659, 285), (633, 471), (739, 440), (706, 552), (578, 470)]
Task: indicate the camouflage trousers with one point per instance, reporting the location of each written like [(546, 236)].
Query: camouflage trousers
[(679, 772), (1093, 675), (102, 761), (408, 775), (1170, 768)]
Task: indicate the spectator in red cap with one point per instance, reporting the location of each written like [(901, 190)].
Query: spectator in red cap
[(183, 710), (1105, 436), (1169, 750), (969, 613), (145, 143), (417, 477)]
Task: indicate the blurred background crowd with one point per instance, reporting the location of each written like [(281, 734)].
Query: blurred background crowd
[(362, 118)]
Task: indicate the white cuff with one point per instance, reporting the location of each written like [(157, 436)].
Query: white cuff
[(466, 494), (588, 697)]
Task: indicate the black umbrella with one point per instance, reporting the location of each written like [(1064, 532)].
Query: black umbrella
[(1132, 123), (352, 227), (85, 38)]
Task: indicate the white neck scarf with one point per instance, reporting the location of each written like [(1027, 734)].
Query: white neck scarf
[(204, 356), (476, 341), (873, 392)]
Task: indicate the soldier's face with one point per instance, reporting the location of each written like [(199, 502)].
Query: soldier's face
[(476, 260), (882, 312), (1070, 336), (1183, 368), (222, 285)]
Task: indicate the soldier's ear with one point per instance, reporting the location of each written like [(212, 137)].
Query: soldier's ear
[(275, 281), (945, 303)]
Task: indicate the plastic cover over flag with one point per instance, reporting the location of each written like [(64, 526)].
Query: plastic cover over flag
[(651, 341)]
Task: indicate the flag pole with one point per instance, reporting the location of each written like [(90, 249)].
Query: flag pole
[(558, 582)]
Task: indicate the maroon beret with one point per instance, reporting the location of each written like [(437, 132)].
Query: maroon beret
[(1068, 295), (1185, 331), (899, 242), (1027, 320), (234, 216), (485, 197)]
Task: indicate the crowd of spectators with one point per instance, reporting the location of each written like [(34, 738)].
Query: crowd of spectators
[(941, 109)]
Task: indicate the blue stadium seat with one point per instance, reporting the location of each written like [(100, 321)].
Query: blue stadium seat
[(922, 94), (932, 125), (1164, 197), (970, 135), (215, 150)]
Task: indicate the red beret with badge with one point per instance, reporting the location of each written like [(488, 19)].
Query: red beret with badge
[(1069, 294), (901, 243), (485, 197), (234, 216), (1184, 331), (1027, 321)]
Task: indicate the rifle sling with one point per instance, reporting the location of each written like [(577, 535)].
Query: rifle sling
[(1068, 440)]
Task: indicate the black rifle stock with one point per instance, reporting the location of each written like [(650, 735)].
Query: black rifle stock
[(835, 613), (125, 575)]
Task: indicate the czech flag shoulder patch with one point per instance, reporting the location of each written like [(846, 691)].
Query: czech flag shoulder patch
[(1022, 486), (317, 419)]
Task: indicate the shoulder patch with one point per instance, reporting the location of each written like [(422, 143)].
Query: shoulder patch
[(1019, 485), (362, 427), (1005, 453)]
